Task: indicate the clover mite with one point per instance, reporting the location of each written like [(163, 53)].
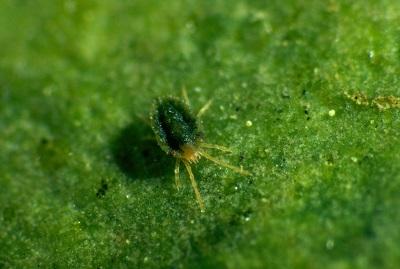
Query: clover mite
[(178, 133)]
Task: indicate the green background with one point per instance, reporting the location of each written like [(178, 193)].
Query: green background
[(83, 185)]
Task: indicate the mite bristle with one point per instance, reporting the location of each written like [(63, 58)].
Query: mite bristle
[(176, 171), (214, 146), (224, 164), (194, 186)]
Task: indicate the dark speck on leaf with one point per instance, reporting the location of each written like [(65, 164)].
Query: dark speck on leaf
[(103, 189), (247, 213)]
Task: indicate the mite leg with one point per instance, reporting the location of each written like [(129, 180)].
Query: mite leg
[(224, 164), (204, 108), (177, 180), (185, 95), (194, 185), (213, 146)]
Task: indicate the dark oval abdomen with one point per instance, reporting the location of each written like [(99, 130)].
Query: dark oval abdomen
[(175, 123)]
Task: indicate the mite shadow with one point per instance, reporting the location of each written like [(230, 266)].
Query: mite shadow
[(138, 155)]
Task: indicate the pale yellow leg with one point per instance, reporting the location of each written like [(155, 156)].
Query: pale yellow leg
[(213, 146), (194, 185), (224, 164), (177, 180), (204, 108), (185, 95)]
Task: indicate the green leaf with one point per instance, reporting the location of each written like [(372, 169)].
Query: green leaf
[(84, 185)]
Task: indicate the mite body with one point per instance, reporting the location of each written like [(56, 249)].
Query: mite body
[(178, 132)]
